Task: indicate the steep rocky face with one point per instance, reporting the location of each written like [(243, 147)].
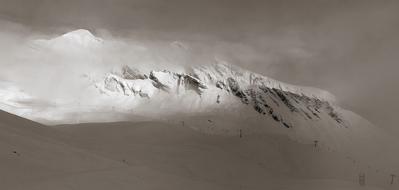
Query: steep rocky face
[(116, 84), (272, 102), (170, 81), (131, 82), (132, 74), (275, 101)]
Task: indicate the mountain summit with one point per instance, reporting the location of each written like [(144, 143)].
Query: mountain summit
[(80, 38)]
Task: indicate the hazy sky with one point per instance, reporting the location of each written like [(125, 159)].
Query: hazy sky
[(348, 47)]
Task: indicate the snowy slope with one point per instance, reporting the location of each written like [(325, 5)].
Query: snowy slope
[(158, 155)]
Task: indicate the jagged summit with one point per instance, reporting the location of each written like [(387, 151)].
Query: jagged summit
[(221, 71)]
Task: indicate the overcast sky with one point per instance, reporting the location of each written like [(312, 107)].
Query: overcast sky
[(348, 47)]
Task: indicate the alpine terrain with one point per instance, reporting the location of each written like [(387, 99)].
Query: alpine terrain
[(152, 123)]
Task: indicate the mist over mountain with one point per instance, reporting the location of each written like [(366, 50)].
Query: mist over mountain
[(165, 96), (84, 70), (187, 94), (94, 81), (306, 43)]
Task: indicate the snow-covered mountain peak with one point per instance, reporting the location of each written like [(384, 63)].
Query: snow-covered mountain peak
[(81, 36), (79, 39)]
